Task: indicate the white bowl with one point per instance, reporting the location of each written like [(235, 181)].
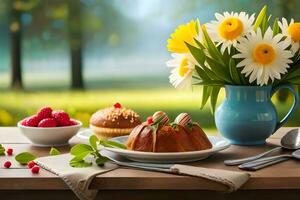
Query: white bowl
[(52, 136)]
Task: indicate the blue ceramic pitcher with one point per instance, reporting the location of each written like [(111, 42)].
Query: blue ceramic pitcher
[(247, 116)]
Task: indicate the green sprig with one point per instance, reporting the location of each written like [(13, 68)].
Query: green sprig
[(82, 151)]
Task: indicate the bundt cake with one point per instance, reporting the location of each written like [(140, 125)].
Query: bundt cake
[(156, 135)]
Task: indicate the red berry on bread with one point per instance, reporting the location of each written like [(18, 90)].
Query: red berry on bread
[(117, 105)]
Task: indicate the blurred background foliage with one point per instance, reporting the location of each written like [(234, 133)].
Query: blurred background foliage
[(84, 55)]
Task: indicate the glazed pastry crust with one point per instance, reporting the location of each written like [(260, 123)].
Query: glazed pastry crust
[(121, 118)]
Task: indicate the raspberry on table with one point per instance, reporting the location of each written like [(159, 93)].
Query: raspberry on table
[(61, 117), (48, 122), (32, 121), (7, 164), (9, 151), (35, 169), (44, 112), (30, 164)]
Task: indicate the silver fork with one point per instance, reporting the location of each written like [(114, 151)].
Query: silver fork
[(251, 158)]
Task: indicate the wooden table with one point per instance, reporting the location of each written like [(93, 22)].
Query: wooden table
[(278, 182)]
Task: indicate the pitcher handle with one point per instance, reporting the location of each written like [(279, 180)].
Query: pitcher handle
[(292, 109)]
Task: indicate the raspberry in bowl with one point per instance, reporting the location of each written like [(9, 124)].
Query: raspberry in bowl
[(49, 127)]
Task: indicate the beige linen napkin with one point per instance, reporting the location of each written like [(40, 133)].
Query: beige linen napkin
[(233, 180), (78, 179)]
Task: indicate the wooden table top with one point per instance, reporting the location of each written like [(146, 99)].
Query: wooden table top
[(285, 175)]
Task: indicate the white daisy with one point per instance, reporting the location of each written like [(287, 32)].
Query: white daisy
[(183, 66), (291, 31), (229, 28), (264, 56)]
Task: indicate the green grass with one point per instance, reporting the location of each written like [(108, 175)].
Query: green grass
[(81, 104)]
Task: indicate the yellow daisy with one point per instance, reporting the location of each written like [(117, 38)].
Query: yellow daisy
[(184, 33), (291, 31), (229, 28), (264, 57)]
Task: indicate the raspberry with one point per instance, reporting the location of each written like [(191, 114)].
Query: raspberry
[(30, 164), (9, 151), (48, 122), (32, 121), (44, 112), (117, 105), (72, 122), (61, 117), (23, 122), (150, 120), (7, 164), (35, 169)]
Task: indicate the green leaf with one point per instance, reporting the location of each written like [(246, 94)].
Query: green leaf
[(82, 155), (234, 72), (2, 150), (275, 27), (24, 158), (206, 90), (198, 54), (260, 18), (211, 75), (199, 44), (264, 24), (54, 151), (112, 144), (79, 163), (293, 73), (211, 47), (219, 70), (201, 73), (213, 98), (101, 160), (210, 83), (80, 148), (93, 141), (295, 81)]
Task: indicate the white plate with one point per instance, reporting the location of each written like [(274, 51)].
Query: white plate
[(218, 143), (84, 134)]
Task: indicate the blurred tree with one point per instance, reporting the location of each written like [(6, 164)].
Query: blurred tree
[(17, 7), (69, 12), (82, 21), (16, 37), (74, 28)]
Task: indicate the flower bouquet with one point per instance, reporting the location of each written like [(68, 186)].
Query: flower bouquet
[(240, 52)]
